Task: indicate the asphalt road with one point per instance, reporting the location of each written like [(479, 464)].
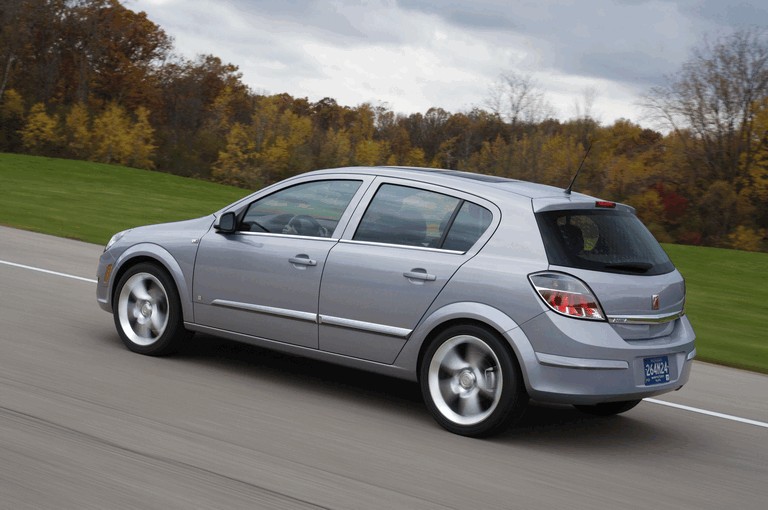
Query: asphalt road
[(84, 423)]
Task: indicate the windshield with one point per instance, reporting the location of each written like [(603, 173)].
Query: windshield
[(602, 240)]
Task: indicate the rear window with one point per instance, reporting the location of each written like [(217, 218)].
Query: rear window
[(602, 240)]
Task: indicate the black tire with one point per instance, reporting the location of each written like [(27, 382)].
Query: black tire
[(607, 408), (471, 383), (147, 311)]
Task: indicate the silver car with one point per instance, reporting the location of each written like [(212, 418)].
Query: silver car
[(487, 291)]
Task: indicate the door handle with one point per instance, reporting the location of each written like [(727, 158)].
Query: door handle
[(302, 260), (420, 274)]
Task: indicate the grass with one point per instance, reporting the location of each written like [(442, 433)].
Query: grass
[(90, 202), (725, 300)]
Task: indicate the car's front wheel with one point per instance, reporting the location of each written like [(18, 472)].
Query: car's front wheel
[(147, 311), (471, 383)]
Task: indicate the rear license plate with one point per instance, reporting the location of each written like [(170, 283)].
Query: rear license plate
[(656, 370)]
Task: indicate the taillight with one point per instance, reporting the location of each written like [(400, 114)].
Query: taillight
[(567, 295)]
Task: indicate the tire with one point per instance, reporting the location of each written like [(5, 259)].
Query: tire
[(607, 408), (471, 383), (147, 311)]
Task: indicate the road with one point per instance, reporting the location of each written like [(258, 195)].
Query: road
[(86, 424)]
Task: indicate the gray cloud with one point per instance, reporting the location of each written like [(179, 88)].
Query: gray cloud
[(630, 41), (413, 54)]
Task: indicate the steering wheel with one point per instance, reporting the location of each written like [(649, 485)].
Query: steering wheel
[(254, 223), (305, 225)]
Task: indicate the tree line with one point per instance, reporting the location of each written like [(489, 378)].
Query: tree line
[(94, 80)]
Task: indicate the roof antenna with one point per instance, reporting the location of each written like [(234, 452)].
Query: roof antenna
[(570, 186)]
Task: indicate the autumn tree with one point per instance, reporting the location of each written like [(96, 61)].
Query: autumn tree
[(368, 148), (758, 167), (124, 55), (328, 115), (273, 146), (141, 140), (630, 155), (493, 158), (282, 138), (710, 104), (77, 132), (11, 121), (40, 134), (560, 157), (427, 131), (757, 175), (336, 149), (118, 139), (238, 162), (464, 134), (111, 141), (192, 125), (362, 124), (371, 152), (32, 41), (11, 42)]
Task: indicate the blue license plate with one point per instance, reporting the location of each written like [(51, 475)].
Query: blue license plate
[(656, 370)]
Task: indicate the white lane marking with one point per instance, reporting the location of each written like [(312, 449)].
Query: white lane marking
[(65, 275), (708, 413)]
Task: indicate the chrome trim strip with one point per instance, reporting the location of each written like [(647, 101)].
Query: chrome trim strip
[(370, 327), (581, 363), (391, 245), (289, 236), (644, 319), (268, 310)]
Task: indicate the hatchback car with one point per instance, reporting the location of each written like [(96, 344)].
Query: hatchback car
[(487, 291)]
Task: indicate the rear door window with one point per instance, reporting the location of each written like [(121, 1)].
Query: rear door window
[(602, 240), (416, 217), (406, 216)]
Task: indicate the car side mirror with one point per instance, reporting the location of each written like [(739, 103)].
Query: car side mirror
[(227, 223)]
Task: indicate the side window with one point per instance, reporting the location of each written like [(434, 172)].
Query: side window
[(406, 216), (308, 209), (468, 226)]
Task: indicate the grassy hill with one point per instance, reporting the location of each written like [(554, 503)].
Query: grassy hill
[(725, 288), (91, 201)]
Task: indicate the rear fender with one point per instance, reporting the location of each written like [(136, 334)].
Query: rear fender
[(409, 356)]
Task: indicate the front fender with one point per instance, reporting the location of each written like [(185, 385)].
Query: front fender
[(162, 256), (474, 312)]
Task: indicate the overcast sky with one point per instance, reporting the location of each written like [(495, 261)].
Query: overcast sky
[(411, 55)]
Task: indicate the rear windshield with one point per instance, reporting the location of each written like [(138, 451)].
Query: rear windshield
[(602, 240)]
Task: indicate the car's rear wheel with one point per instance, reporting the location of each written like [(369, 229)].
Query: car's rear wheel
[(471, 383), (147, 311), (607, 408)]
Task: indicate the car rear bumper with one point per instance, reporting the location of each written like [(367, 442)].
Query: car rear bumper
[(583, 362)]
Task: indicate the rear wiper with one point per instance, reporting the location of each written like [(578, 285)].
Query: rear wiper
[(635, 267)]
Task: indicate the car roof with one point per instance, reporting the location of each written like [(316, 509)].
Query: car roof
[(490, 186)]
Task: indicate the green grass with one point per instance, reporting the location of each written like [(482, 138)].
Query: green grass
[(727, 289), (92, 201), (727, 293)]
